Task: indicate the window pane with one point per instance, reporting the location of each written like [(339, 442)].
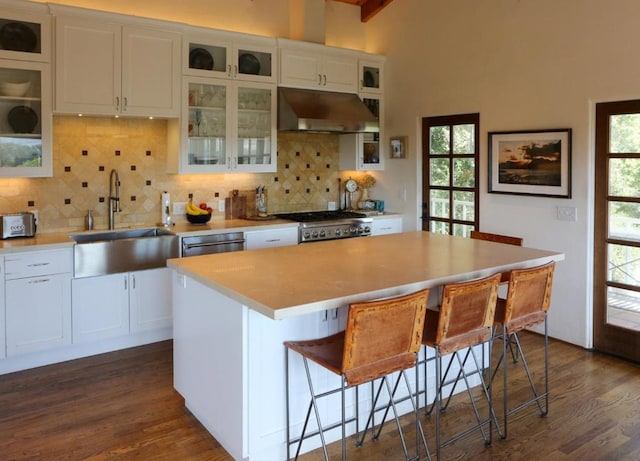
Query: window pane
[(463, 206), (623, 308), (624, 220), (439, 227), (439, 203), (463, 139), (439, 140), (624, 177), (462, 230), (625, 133), (439, 172), (624, 264), (464, 172)]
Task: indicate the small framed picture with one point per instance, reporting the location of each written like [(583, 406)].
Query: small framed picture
[(398, 147)]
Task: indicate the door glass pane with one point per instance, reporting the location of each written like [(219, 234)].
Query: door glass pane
[(439, 227), (624, 133), (624, 177), (439, 203), (462, 230), (254, 62), (624, 220), (463, 139), (207, 124), (463, 204), (623, 308), (624, 264), (439, 172), (464, 172), (254, 126), (439, 140)]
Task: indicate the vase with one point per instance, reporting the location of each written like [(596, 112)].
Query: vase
[(364, 199)]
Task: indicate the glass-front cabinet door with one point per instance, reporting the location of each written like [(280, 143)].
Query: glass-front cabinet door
[(256, 128), (25, 119), (25, 33), (228, 127), (207, 127)]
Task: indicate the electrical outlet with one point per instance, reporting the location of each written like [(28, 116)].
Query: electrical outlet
[(221, 205), (567, 213), (179, 208)]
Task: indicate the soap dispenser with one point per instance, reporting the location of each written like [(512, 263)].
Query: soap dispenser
[(88, 220)]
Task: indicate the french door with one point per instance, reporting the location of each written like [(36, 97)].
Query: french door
[(617, 229), (450, 174)]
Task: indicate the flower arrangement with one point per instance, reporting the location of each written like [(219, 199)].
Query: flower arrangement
[(366, 181)]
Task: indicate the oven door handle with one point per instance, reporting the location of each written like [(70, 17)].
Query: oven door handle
[(188, 246)]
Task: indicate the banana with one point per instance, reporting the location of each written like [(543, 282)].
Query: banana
[(194, 210)]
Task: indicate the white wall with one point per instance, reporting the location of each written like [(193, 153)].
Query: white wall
[(522, 64)]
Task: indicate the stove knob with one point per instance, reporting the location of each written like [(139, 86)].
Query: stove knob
[(307, 235), (322, 233), (360, 230), (315, 234), (367, 229), (338, 232), (353, 230)]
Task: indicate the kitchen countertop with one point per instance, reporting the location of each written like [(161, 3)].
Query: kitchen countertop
[(295, 280)]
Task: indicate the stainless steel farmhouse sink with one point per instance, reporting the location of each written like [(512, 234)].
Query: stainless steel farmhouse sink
[(114, 251)]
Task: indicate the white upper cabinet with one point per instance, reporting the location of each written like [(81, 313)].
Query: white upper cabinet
[(25, 31), (230, 56), (313, 66), (104, 68)]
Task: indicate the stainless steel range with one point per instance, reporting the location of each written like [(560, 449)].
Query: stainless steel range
[(329, 225)]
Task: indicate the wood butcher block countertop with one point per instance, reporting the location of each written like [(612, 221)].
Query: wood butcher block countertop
[(295, 280)]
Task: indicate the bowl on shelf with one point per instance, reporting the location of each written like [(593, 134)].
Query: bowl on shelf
[(14, 88), (198, 218)]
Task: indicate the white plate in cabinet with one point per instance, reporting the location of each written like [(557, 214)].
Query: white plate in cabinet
[(108, 69)]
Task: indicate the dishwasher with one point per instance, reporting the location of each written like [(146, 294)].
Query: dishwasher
[(212, 243)]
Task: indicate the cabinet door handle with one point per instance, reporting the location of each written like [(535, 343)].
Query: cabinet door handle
[(324, 80), (38, 264), (229, 70), (39, 281), (235, 71), (133, 282), (126, 283), (124, 105), (320, 79), (117, 102)]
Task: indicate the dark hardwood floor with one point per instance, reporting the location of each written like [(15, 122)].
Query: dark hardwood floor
[(122, 406)]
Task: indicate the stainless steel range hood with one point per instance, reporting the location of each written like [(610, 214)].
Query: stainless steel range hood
[(323, 112)]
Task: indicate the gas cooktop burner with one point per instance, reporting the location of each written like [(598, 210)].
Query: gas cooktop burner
[(313, 216), (329, 225)]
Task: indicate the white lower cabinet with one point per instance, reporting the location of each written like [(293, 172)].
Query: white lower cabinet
[(37, 300), (119, 304), (100, 307), (3, 343), (382, 226), (271, 238)]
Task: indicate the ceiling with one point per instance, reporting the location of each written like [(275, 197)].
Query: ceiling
[(368, 8)]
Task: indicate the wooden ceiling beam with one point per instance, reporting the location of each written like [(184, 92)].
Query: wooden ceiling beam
[(371, 7)]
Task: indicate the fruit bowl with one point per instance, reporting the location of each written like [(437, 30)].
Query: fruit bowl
[(198, 218)]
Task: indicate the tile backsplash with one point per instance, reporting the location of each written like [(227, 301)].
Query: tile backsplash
[(86, 149)]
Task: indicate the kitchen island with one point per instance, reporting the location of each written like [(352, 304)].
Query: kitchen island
[(232, 311)]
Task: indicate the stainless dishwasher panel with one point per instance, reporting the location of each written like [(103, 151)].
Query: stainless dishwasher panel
[(212, 243)]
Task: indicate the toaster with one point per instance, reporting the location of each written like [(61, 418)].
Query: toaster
[(21, 224)]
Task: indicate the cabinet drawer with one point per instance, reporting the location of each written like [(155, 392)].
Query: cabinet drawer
[(271, 238), (38, 263)]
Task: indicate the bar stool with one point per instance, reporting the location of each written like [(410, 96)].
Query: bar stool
[(526, 305), (381, 337), (464, 320)]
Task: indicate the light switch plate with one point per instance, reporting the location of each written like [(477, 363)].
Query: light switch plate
[(179, 208), (567, 213)]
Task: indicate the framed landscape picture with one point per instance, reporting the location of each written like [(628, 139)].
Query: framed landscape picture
[(530, 162)]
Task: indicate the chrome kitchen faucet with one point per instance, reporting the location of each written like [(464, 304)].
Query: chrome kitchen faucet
[(114, 200)]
